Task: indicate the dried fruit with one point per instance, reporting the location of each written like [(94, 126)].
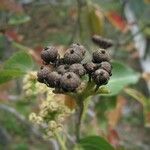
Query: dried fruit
[(43, 73), (100, 55), (66, 72), (71, 56), (77, 69), (102, 42), (53, 79), (49, 54), (90, 67), (78, 47), (69, 82), (100, 77), (62, 69), (106, 66), (60, 61)]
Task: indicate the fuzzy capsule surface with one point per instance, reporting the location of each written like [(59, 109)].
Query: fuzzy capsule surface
[(101, 55), (77, 69), (71, 56), (49, 54), (70, 82), (100, 77)]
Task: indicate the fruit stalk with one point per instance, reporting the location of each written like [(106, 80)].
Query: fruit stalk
[(79, 112)]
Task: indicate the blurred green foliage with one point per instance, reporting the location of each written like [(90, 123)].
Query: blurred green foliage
[(57, 22)]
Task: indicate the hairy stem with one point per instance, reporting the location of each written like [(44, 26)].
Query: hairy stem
[(80, 110)]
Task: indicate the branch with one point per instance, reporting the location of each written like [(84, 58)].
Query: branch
[(24, 121)]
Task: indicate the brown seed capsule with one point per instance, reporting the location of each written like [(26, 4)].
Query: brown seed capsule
[(60, 61), (43, 73), (90, 67), (53, 79), (100, 77), (62, 69), (69, 82), (102, 42), (78, 47), (106, 66), (49, 54), (100, 55), (71, 56), (77, 69)]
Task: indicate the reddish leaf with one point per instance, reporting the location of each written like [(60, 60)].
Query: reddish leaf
[(146, 76), (115, 114), (70, 102), (117, 21), (113, 137), (13, 35), (10, 5), (4, 88), (38, 49), (37, 54), (147, 1), (73, 13)]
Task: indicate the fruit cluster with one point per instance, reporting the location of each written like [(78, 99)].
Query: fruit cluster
[(64, 74), (102, 42)]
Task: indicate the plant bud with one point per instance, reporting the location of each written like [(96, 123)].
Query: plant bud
[(62, 69), (102, 42), (49, 54), (100, 77), (78, 47), (77, 69), (90, 67), (100, 55), (71, 56), (106, 66), (43, 73), (53, 79), (70, 82)]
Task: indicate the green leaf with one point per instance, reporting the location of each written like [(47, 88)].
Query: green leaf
[(136, 95), (20, 60), (122, 76), (95, 19), (16, 66), (19, 19), (7, 75), (95, 143), (105, 105), (144, 101)]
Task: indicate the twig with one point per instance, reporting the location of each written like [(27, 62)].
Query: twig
[(79, 3), (5, 137), (24, 121), (73, 33), (20, 118), (77, 26)]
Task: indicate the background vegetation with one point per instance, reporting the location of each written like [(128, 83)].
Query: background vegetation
[(121, 117)]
